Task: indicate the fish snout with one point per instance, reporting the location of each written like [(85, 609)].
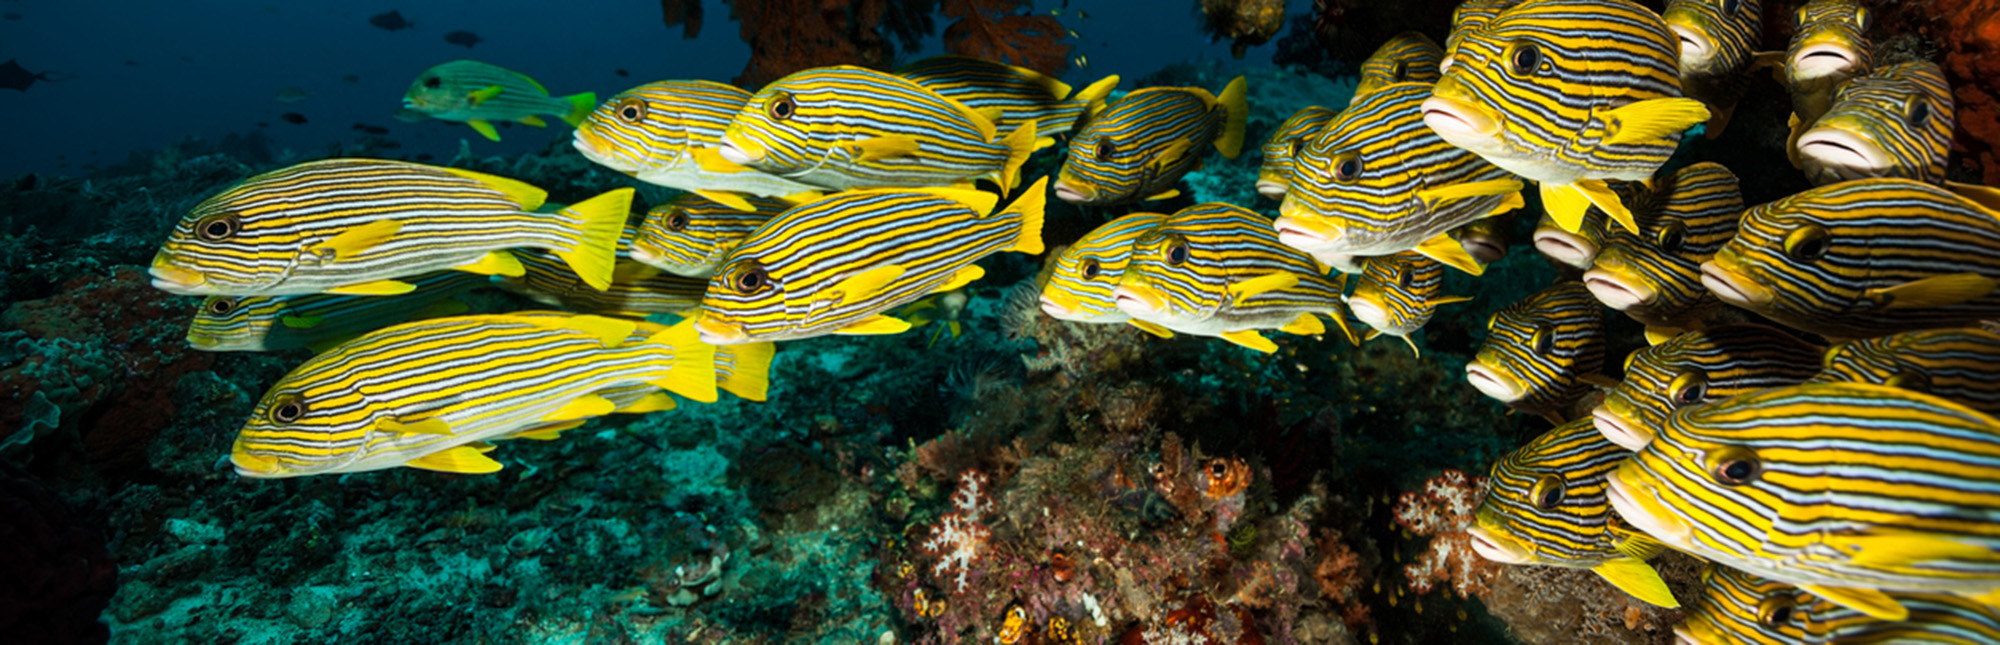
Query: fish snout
[(1455, 120), (1696, 47), (1369, 312), (1566, 247), (1070, 192), (1834, 154), (1619, 430), (1305, 234), (1493, 383), (738, 151), (249, 465), (1138, 300), (1484, 249), (1617, 291), (1055, 308), (716, 332), (1731, 285), (1822, 60), (1492, 546), (1273, 189), (1641, 509), (176, 280)]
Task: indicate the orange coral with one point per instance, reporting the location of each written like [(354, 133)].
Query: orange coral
[(1001, 30), (1014, 625), (786, 36)]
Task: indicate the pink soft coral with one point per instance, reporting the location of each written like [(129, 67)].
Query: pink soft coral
[(1443, 510), (958, 539)]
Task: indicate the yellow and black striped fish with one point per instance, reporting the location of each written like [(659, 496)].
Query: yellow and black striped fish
[(691, 234), (1893, 122), (427, 394), (1579, 248), (1541, 354), (1655, 278), (1864, 258), (1408, 57), (1545, 505), (1845, 489), (1533, 93), (1719, 38), (1697, 368), (1737, 607), (356, 226), (1219, 270), (1960, 364), (1398, 293), (1274, 177), (1020, 95), (1829, 47), (1376, 181), (1146, 140), (477, 94), (1080, 287), (852, 127), (272, 323), (636, 290), (835, 265), (667, 133), (1469, 17)]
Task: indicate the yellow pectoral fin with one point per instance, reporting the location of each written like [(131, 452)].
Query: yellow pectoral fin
[(874, 325), (861, 286), (1251, 339), (494, 263), (1601, 196), (1565, 205), (1657, 335), (533, 121), (1304, 325), (1444, 249), (376, 288), (1653, 119), (484, 129), (301, 322), (1639, 579), (1872, 602), (588, 406), (1635, 544), (1897, 549), (711, 160), (732, 200), (1169, 194), (484, 94), (1934, 291), (962, 277), (359, 239), (1449, 300), (1152, 328), (432, 425), (1470, 189), (462, 459), (888, 147), (1247, 289)]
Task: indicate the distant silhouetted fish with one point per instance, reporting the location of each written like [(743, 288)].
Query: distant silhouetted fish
[(391, 21), (293, 118), (15, 77), (13, 16), (371, 129), (351, 78), (462, 37), (621, 72)]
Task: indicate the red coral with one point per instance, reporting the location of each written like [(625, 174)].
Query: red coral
[(1971, 39), (1442, 511), (685, 14), (786, 36), (1000, 30)]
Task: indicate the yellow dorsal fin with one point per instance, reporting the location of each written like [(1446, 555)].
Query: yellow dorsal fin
[(1601, 196), (1151, 327), (1030, 207), (1093, 95), (431, 425), (887, 147), (732, 200), (1251, 339), (464, 460), (1260, 285), (865, 284), (749, 376), (1057, 90), (875, 326), (588, 406), (960, 278), (484, 129), (1305, 324), (993, 113), (357, 240), (532, 120), (1444, 249), (1934, 291), (599, 223), (1652, 120), (376, 288), (1639, 579), (711, 160), (979, 201), (526, 195), (1987, 197), (691, 370), (987, 131), (1236, 114), (1467, 189), (484, 94), (494, 263), (1872, 602)]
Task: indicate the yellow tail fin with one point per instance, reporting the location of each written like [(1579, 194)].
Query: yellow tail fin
[(691, 371), (600, 221), (1230, 143), (745, 370), (580, 107), (1030, 206), (1020, 144)]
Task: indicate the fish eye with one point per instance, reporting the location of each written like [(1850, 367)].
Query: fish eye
[(1733, 466), (288, 409), (1775, 611), (1405, 277), (221, 306), (752, 279), (1347, 167), (1544, 340), (1491, 321), (1730, 6), (1629, 359), (1401, 72), (1908, 380), (782, 107), (216, 229), (1800, 16), (434, 82), (1298, 146), (1177, 254), (1525, 58), (1548, 492), (1919, 112), (631, 109), (1807, 244), (1090, 268), (1105, 150), (1862, 19), (677, 221), (1672, 237), (1688, 389)]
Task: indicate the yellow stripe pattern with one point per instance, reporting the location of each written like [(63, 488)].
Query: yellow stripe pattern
[(1408, 57), (1186, 274), (1701, 367), (1080, 287), (1396, 292), (1738, 607), (1548, 498), (1717, 38), (1539, 350), (690, 235), (273, 323), (1274, 176), (1656, 273), (1894, 122), (1960, 364), (1142, 143)]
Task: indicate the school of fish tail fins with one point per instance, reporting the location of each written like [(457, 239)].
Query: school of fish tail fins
[(1839, 467)]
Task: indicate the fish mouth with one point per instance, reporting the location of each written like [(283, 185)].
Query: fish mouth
[(1732, 287), (1618, 430), (1273, 189), (1491, 546), (1302, 234), (1368, 312), (1696, 48), (1055, 309), (1483, 249), (1455, 120), (1842, 153), (738, 153), (176, 280), (1565, 247), (1821, 60), (716, 332), (1626, 498), (1492, 383), (1615, 291), (1069, 192), (1138, 300), (1685, 636), (249, 465), (645, 256)]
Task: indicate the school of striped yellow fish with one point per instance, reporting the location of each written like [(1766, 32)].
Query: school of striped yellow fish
[(1813, 412)]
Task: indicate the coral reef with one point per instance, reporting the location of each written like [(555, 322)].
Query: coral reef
[(786, 36), (1004, 30), (1246, 22)]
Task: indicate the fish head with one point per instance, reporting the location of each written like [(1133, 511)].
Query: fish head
[(1577, 249), (303, 427), (1468, 18), (1356, 186), (1698, 209), (690, 235), (1618, 278), (657, 124), (442, 89), (1407, 57), (219, 249), (1783, 246), (1086, 274), (1545, 501), (1537, 350), (1831, 42), (1274, 177), (1894, 122), (1170, 278), (745, 303), (793, 124), (1394, 292), (1105, 164), (234, 323), (1716, 36), (1737, 607)]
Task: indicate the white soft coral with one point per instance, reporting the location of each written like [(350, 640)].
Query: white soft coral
[(958, 539)]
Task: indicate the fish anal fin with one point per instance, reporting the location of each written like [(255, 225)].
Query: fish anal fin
[(588, 406), (1251, 339), (550, 432), (962, 277), (1638, 579), (1151, 327), (874, 326), (494, 263), (484, 129), (1934, 291), (532, 120), (652, 402), (376, 288), (465, 460)]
